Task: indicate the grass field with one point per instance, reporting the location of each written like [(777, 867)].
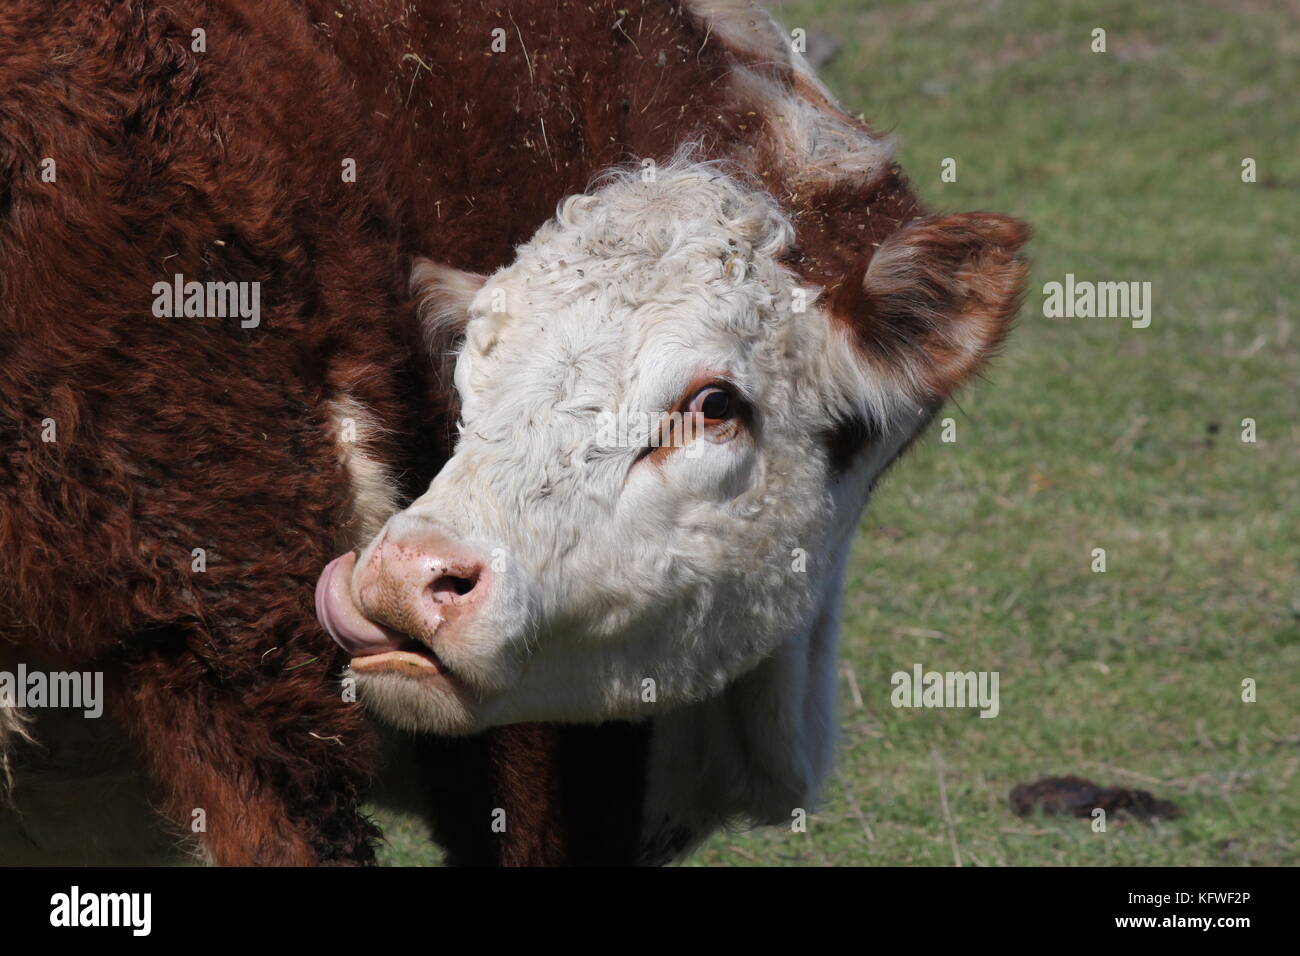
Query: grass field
[(1088, 433)]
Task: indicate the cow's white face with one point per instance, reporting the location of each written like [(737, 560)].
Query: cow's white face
[(563, 567)]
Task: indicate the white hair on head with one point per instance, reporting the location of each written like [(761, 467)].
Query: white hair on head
[(666, 204), (646, 229)]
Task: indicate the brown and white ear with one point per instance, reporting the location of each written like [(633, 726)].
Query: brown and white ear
[(442, 294), (935, 301)]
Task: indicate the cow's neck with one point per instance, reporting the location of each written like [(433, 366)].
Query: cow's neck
[(760, 751), (757, 753)]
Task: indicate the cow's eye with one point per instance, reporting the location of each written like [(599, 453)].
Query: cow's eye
[(716, 404)]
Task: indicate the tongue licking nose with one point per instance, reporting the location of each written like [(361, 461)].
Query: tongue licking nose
[(339, 616)]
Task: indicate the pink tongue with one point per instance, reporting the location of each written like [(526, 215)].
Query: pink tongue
[(340, 617)]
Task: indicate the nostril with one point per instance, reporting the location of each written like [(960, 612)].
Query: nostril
[(447, 587)]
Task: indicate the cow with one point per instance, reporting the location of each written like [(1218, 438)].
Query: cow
[(463, 236)]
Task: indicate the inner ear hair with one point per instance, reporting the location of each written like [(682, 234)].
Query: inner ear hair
[(442, 294), (936, 299)]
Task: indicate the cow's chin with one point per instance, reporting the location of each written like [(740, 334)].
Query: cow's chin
[(413, 696)]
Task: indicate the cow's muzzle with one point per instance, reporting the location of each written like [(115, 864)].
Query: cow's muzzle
[(416, 592)]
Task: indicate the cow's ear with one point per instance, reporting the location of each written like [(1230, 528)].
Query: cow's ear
[(935, 301), (442, 294)]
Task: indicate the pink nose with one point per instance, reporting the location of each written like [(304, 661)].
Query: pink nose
[(418, 584), (421, 571)]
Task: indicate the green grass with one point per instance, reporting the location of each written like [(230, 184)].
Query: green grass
[(1086, 434)]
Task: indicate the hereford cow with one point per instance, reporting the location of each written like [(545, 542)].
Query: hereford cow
[(216, 378)]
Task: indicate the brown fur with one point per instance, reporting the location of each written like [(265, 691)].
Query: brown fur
[(176, 434)]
